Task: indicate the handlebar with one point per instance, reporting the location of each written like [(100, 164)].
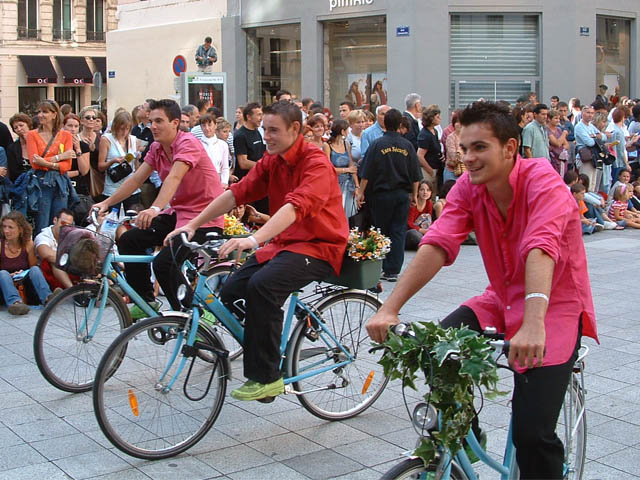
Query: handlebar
[(129, 217)]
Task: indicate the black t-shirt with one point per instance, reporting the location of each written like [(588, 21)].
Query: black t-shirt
[(431, 144), (82, 182), (247, 142), (391, 164), (5, 136)]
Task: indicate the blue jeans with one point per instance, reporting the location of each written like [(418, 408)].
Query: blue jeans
[(35, 276), (51, 202)]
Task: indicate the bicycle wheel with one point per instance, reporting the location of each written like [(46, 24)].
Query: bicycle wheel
[(572, 429), (216, 277), (65, 356), (346, 391), (134, 410), (413, 468)]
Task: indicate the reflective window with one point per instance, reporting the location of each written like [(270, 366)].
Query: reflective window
[(612, 54), (62, 19), (273, 62), (28, 19), (95, 15), (357, 68)]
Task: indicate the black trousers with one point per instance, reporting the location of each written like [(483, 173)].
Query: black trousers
[(265, 287), (537, 399), (389, 213), (166, 265)]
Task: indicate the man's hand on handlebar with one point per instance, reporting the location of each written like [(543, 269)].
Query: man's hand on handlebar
[(378, 325), (526, 345), (239, 244), (186, 229), (101, 207)]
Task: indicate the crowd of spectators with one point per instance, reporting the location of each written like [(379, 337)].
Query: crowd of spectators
[(60, 162)]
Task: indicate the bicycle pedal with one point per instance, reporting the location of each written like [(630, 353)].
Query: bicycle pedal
[(266, 399)]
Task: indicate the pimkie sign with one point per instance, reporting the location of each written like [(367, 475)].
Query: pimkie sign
[(348, 3)]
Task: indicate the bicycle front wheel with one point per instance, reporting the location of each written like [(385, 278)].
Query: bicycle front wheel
[(572, 429), (216, 277), (345, 391), (66, 355), (138, 408), (413, 468)]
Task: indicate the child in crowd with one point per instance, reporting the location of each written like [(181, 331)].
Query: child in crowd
[(249, 216), (216, 148), (596, 205), (419, 218), (635, 199), (618, 209), (589, 225)]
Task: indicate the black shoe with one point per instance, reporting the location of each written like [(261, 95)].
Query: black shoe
[(377, 289), (390, 277)]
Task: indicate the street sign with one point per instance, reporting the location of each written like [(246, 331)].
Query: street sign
[(584, 31), (402, 31), (179, 65), (112, 74)]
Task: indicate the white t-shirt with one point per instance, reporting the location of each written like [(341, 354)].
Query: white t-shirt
[(45, 237), (218, 152)]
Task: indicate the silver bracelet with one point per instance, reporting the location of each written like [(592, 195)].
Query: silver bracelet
[(255, 242), (536, 295), (157, 209)]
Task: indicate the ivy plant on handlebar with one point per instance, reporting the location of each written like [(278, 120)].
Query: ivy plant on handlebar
[(454, 363)]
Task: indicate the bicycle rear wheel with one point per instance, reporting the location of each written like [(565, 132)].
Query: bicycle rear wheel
[(413, 468), (216, 277), (572, 430), (65, 355), (345, 391), (134, 409)]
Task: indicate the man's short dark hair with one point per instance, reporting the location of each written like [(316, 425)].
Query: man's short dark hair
[(215, 111), (562, 104), (598, 105), (307, 101), (577, 188), (555, 97), (207, 40), (348, 104), (570, 176), (64, 211), (280, 93), (496, 117), (392, 120), (249, 108), (316, 105), (288, 111), (539, 107), (170, 108)]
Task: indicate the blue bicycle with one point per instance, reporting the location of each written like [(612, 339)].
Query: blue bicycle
[(161, 384), (572, 430)]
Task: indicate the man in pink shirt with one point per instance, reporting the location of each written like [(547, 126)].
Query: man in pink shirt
[(529, 233), (189, 183)]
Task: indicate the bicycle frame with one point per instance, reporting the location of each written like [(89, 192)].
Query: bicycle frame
[(204, 296), (114, 274)]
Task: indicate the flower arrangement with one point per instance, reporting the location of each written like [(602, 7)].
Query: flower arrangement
[(233, 226), (370, 245)]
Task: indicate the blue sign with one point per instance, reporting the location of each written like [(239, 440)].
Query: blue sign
[(112, 74), (584, 31), (179, 65), (402, 31)]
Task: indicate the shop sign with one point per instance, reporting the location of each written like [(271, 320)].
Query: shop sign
[(348, 3), (402, 31), (78, 81), (42, 80)]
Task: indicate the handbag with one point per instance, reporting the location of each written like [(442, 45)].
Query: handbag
[(585, 155), (601, 153), (121, 170)]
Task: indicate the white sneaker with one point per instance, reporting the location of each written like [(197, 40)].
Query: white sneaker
[(599, 227), (610, 225)]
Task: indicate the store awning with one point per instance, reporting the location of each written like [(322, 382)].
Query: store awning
[(101, 66), (39, 69), (75, 70)]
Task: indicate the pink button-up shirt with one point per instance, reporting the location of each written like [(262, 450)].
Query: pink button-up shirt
[(200, 185), (543, 215)]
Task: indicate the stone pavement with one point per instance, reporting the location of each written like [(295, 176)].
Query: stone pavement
[(48, 434)]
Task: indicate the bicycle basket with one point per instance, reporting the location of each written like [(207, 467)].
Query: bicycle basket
[(81, 251)]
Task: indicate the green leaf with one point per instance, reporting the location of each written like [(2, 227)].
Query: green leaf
[(426, 451), (443, 349)]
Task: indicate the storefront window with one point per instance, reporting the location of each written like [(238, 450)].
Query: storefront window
[(69, 95), (29, 98), (612, 54), (273, 62), (357, 68), (494, 57)]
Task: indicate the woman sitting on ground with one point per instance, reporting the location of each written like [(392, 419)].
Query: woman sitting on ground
[(419, 216), (442, 198), (17, 255)]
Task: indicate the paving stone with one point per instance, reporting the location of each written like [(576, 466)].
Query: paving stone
[(45, 471), (323, 464), (91, 464), (43, 430), (274, 470), (21, 455), (619, 431), (183, 467), (233, 459), (333, 434), (370, 452), (626, 460), (67, 446)]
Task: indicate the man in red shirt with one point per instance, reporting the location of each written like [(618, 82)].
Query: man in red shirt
[(307, 238)]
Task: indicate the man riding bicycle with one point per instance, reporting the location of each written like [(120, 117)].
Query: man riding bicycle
[(189, 183), (529, 233), (307, 235)]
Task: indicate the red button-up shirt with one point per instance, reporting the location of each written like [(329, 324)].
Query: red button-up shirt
[(305, 178), (543, 214)]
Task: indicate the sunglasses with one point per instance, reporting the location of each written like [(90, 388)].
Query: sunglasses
[(89, 117)]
